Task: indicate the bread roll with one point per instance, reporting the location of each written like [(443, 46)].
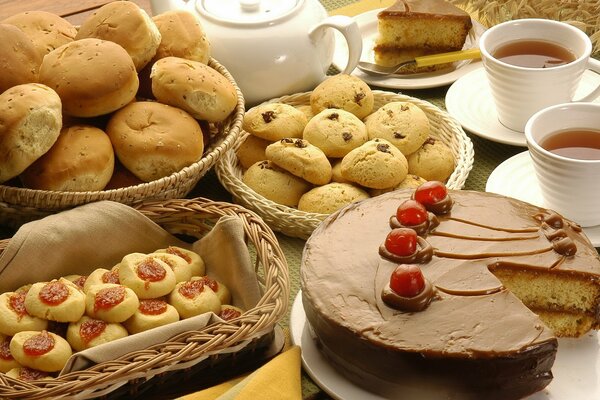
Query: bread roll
[(92, 77), (19, 59), (81, 160), (47, 31), (193, 87), (30, 122), (126, 24), (181, 36), (154, 140)]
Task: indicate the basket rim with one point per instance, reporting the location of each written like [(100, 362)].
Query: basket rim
[(192, 172), (190, 346), (302, 223)]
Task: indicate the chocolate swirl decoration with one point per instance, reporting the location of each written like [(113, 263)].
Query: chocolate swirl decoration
[(552, 224), (423, 254), (422, 229), (441, 207), (415, 303)]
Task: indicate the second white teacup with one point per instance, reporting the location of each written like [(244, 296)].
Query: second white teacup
[(520, 91), (564, 144)]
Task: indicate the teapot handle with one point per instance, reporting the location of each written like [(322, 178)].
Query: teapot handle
[(349, 29)]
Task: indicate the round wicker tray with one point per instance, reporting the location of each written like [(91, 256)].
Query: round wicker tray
[(19, 205), (293, 222), (211, 345)]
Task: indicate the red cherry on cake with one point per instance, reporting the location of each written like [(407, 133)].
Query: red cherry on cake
[(431, 192), (401, 241), (411, 213), (407, 280)]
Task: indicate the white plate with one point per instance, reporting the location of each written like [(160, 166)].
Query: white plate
[(576, 369), (367, 23), (515, 177), (469, 100)]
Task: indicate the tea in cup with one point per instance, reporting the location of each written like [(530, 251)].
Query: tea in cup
[(564, 144), (532, 64)]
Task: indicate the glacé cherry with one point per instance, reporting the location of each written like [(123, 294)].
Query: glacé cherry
[(407, 280), (431, 192), (411, 213), (401, 241)]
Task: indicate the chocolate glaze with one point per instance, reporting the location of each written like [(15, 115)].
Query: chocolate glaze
[(415, 303), (475, 339)]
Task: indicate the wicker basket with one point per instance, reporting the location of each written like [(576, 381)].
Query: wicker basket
[(19, 205), (141, 370), (293, 222)]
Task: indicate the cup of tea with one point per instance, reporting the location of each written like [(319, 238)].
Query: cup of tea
[(564, 144), (532, 64)]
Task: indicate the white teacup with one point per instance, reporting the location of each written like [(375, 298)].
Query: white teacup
[(568, 185), (518, 91)]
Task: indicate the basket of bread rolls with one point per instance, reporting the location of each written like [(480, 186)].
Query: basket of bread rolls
[(123, 107), (303, 156), (183, 294)]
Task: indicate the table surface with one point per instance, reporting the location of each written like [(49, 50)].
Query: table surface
[(487, 154)]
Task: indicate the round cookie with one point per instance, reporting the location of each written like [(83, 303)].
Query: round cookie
[(30, 123), (14, 317), (28, 374), (19, 58), (58, 300), (336, 132), (150, 314), (195, 262), (178, 264), (149, 277), (219, 288), (275, 184), (92, 77), (7, 361), (331, 197), (434, 161), (346, 92), (124, 23), (193, 298), (274, 121), (229, 312), (81, 160), (44, 351), (336, 172), (154, 140), (410, 182), (182, 36), (194, 87), (252, 150), (111, 302), (46, 30), (78, 280), (100, 276), (377, 164), (300, 158), (403, 124), (89, 332)]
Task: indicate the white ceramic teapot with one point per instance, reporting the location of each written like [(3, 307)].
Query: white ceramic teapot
[(271, 47)]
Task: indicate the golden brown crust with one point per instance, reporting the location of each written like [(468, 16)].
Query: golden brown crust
[(19, 59), (181, 36)]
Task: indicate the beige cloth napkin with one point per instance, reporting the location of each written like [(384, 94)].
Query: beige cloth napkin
[(99, 235)]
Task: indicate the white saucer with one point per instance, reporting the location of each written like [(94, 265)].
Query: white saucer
[(469, 100), (515, 178), (367, 23), (576, 369)]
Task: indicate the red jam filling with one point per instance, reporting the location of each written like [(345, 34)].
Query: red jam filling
[(111, 277), (152, 306), (5, 353), (229, 313), (177, 252), (211, 283), (79, 282), (17, 304), (54, 293), (28, 374), (39, 344), (150, 270), (191, 289), (91, 329), (107, 298)]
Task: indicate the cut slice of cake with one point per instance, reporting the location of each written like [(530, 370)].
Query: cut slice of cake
[(413, 28)]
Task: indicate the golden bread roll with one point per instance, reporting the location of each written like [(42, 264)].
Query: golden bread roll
[(154, 140), (44, 351), (81, 160), (111, 302), (149, 277), (7, 361), (193, 87), (47, 31), (58, 300), (182, 36), (89, 332), (30, 122), (150, 314), (19, 59), (92, 77), (124, 23)]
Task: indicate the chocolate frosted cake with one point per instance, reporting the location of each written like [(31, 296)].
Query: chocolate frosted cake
[(491, 266)]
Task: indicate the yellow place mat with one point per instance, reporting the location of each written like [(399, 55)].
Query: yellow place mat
[(361, 6)]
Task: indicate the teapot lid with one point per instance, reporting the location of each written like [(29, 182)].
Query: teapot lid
[(246, 12)]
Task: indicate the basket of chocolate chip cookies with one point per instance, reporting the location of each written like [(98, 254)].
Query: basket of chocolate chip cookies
[(304, 156), (124, 107)]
